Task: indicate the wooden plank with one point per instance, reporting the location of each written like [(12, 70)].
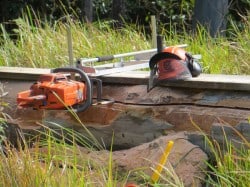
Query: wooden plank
[(4, 69), (215, 81), (20, 73), (204, 81)]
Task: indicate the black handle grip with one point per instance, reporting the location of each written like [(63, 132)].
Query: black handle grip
[(159, 43), (105, 58)]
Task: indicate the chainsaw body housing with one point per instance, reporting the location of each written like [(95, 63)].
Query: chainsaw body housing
[(52, 91)]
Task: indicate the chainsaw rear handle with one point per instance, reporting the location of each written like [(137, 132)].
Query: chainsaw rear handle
[(84, 77)]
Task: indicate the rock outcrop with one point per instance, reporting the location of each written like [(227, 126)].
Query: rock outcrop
[(185, 164), (187, 160), (239, 135)]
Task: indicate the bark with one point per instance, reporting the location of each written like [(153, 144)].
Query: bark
[(88, 10), (211, 14), (118, 11)]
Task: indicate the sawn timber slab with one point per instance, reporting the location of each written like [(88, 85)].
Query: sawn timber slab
[(204, 81)]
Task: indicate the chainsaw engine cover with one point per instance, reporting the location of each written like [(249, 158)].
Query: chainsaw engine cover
[(169, 66), (52, 91)]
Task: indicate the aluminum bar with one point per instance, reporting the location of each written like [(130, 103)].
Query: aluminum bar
[(121, 69), (111, 57)]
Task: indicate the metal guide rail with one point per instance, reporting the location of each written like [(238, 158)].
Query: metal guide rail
[(140, 61)]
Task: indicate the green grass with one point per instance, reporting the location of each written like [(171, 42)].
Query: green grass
[(46, 46), (232, 166), (53, 162), (220, 55), (43, 44), (57, 153), (55, 165), (229, 163), (55, 156)]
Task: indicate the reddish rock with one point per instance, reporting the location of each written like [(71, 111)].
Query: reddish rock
[(187, 160)]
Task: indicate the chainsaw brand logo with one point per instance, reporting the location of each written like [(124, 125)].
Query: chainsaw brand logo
[(167, 67), (172, 69)]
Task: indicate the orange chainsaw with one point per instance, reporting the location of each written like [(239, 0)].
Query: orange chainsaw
[(57, 91)]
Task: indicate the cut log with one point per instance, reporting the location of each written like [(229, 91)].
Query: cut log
[(138, 116)]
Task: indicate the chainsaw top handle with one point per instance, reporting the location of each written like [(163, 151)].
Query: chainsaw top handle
[(83, 77)]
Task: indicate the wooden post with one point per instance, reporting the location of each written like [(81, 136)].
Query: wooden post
[(211, 14), (70, 50), (70, 46), (154, 31)]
